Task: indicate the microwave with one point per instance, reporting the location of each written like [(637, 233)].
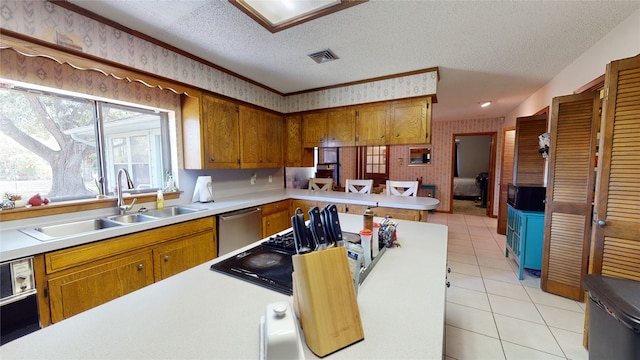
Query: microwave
[(526, 197)]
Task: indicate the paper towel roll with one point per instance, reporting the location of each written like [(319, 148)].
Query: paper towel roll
[(203, 191)]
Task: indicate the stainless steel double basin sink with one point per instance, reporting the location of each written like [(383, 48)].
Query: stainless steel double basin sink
[(53, 232)]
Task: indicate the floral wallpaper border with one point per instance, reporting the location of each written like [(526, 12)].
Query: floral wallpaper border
[(49, 22)]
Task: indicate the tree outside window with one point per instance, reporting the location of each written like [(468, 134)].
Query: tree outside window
[(51, 145)]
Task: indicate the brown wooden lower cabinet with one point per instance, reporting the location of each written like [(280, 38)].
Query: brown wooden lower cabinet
[(84, 289), (85, 276), (402, 214), (276, 217), (182, 254)]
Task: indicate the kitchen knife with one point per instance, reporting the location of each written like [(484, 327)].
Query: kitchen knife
[(300, 236), (335, 228), (315, 224), (326, 225)]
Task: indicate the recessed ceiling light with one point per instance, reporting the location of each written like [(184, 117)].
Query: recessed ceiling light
[(485, 103)]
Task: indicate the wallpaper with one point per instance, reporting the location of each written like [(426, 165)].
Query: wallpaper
[(49, 22), (439, 172)]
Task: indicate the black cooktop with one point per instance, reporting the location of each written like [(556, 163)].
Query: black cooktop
[(268, 264)]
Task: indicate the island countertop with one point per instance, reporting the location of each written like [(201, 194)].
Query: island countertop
[(200, 314), (16, 244)]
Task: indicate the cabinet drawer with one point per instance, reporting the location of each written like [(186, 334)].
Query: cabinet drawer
[(275, 207), (83, 254)]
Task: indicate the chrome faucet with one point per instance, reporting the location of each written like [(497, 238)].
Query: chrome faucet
[(122, 207)]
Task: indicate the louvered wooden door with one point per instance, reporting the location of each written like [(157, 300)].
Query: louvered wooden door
[(506, 176), (528, 163), (616, 232), (570, 187)]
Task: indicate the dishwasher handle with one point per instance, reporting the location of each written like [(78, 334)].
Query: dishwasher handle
[(239, 214)]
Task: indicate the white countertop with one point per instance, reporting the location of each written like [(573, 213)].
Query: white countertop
[(200, 314), (15, 244)]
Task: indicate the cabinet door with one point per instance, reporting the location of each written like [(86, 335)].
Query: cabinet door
[(252, 139), (569, 197), (305, 205), (341, 128), (395, 213), (371, 122), (295, 155), (275, 222), (81, 290), (408, 123), (182, 254), (221, 136), (314, 129), (273, 130)]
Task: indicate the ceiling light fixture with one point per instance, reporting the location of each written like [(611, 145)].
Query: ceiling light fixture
[(277, 15), (485, 104)]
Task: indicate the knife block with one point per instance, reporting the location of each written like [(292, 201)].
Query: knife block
[(325, 300)]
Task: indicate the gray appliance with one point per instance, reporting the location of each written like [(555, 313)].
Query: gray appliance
[(238, 228)]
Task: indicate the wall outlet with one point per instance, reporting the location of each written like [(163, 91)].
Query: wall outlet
[(253, 179), (270, 178)]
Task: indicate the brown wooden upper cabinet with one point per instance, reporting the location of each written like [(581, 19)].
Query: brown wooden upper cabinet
[(329, 128), (371, 124), (210, 130), (261, 138), (410, 122), (388, 123), (295, 155), (221, 134)]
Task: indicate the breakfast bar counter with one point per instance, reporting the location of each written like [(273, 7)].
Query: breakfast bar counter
[(201, 314)]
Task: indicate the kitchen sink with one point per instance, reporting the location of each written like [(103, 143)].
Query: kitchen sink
[(131, 218), (46, 233), (171, 211)]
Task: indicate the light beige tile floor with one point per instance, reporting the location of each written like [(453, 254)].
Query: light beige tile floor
[(490, 314)]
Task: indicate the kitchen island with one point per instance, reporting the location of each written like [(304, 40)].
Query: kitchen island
[(200, 314)]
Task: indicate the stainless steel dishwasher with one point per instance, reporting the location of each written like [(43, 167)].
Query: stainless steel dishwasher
[(238, 228)]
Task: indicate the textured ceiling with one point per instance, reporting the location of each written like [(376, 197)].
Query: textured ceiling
[(486, 50)]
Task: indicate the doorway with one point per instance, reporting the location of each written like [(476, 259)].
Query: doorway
[(473, 157), (372, 163)]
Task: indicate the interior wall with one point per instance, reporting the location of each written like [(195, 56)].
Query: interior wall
[(439, 173), (474, 155), (622, 42)]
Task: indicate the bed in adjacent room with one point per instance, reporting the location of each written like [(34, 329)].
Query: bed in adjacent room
[(465, 188)]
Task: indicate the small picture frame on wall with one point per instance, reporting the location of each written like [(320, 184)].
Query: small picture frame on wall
[(420, 156)]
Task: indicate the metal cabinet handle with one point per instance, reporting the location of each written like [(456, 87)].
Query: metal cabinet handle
[(213, 158), (397, 134), (268, 223), (140, 266), (166, 258), (602, 223), (382, 136)]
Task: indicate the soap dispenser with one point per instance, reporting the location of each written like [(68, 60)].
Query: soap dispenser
[(160, 200)]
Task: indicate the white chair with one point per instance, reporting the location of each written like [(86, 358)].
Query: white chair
[(358, 186), (402, 188), (320, 184)]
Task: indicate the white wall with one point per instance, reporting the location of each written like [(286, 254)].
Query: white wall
[(622, 42)]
